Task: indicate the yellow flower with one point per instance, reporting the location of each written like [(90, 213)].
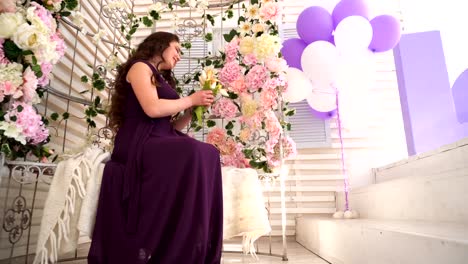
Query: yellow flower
[(246, 45), (249, 107), (267, 46)]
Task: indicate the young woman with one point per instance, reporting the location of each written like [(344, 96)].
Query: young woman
[(161, 193)]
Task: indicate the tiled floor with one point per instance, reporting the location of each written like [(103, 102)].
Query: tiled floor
[(295, 252)]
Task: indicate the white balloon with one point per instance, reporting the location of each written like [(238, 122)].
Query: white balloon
[(299, 86), (353, 34), (322, 99), (319, 62)]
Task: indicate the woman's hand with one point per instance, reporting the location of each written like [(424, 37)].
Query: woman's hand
[(203, 97)]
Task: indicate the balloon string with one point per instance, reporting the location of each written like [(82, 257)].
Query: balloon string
[(343, 166)]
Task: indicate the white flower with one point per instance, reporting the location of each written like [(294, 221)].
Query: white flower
[(203, 4), (47, 53), (256, 28), (9, 23), (192, 3), (244, 28), (116, 4), (99, 35), (12, 131), (253, 12), (29, 37), (77, 18), (158, 7), (11, 73), (57, 6), (111, 63), (267, 46), (37, 21)]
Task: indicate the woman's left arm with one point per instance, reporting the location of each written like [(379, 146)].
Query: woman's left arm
[(184, 120)]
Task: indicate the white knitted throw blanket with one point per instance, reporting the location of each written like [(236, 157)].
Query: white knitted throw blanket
[(71, 203), (244, 207)]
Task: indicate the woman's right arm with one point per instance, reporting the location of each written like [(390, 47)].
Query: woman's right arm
[(140, 76)]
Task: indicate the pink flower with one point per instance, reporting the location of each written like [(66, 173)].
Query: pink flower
[(272, 125), (225, 108), (238, 86), (253, 122), (236, 158), (8, 88), (256, 77), (29, 85), (275, 64), (230, 72), (3, 59), (268, 98), (231, 50), (249, 59), (215, 136), (44, 15), (29, 121), (59, 43), (289, 151), (8, 6), (270, 11), (46, 69)]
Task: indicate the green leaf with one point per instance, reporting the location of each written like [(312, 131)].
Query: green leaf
[(65, 115), (155, 15), (84, 79), (97, 101), (208, 62), (147, 22), (229, 125), (230, 14), (37, 70), (209, 37), (54, 116), (19, 108), (290, 112), (6, 149), (71, 4), (27, 52), (211, 19), (232, 95), (65, 13), (230, 36), (182, 2), (34, 60), (288, 126), (100, 85), (253, 2), (12, 52), (210, 123)]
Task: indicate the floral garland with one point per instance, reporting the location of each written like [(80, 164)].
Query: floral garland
[(253, 73), (30, 45)]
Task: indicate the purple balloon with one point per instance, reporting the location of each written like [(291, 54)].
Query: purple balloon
[(323, 115), (346, 8), (292, 51), (387, 33), (314, 23), (460, 97)]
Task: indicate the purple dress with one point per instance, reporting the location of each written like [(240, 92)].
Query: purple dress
[(161, 194)]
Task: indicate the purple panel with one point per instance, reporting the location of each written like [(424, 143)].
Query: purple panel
[(426, 99), (460, 97)]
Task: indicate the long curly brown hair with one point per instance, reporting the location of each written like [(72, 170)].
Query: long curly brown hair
[(153, 45)]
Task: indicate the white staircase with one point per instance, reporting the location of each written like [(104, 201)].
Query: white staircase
[(416, 212)]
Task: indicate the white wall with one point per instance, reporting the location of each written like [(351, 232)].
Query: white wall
[(450, 18)]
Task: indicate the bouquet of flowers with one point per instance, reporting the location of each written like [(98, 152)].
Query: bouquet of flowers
[(30, 44), (208, 81)]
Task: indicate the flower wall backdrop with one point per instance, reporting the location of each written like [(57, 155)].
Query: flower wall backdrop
[(30, 45)]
